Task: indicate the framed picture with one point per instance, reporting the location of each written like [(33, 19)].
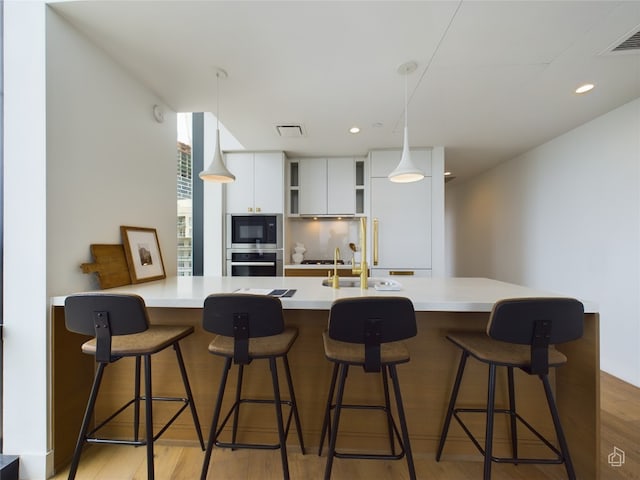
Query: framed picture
[(142, 250)]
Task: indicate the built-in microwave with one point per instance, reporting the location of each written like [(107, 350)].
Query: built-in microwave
[(254, 231)]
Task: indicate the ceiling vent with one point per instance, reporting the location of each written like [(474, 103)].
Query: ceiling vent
[(630, 43), (291, 130)]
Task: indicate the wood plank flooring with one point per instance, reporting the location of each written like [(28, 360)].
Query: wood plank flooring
[(620, 427)]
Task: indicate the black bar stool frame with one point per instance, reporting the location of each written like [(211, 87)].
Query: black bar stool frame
[(106, 316), (368, 323), (241, 318), (534, 325)]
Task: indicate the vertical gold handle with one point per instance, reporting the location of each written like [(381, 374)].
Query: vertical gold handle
[(258, 209), (375, 241), (249, 209)]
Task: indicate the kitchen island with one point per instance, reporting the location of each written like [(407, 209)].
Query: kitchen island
[(442, 305)]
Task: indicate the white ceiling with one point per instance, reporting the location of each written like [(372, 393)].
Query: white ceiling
[(494, 79)]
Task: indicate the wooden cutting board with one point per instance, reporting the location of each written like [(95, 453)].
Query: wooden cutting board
[(110, 265)]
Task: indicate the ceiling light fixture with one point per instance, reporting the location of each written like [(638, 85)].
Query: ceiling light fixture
[(217, 171), (406, 171), (354, 130), (587, 87)]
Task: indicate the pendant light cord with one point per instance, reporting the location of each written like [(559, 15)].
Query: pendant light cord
[(406, 104), (217, 100)]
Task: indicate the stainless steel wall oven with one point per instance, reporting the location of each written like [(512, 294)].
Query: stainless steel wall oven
[(254, 263)]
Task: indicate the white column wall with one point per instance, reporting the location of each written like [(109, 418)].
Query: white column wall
[(563, 217), (214, 207), (25, 362)]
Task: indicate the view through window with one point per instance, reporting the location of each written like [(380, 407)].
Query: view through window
[(184, 195)]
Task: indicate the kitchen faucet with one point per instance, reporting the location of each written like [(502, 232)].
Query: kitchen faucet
[(335, 281), (363, 270)]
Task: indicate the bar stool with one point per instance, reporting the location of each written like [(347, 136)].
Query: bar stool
[(368, 332), (520, 334), (120, 327), (250, 327)]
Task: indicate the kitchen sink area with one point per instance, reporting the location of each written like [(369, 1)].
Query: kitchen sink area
[(377, 283)]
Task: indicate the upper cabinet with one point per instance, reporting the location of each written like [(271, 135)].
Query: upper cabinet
[(259, 184), (326, 186)]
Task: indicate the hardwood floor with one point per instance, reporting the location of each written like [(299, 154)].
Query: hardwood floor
[(620, 427)]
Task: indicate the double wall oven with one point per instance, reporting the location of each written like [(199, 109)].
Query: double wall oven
[(254, 246)]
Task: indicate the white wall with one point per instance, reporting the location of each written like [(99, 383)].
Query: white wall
[(109, 162), (564, 217), (83, 155)]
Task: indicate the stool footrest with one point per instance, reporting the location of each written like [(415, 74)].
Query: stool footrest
[(551, 461), (372, 456), (116, 441), (260, 446)]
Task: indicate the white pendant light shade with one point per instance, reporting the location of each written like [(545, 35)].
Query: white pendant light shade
[(217, 171), (406, 171)]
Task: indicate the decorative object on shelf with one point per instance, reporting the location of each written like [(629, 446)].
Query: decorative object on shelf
[(109, 265), (406, 171), (217, 171), (299, 250), (142, 251)]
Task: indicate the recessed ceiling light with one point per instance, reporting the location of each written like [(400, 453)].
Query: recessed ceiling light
[(354, 130), (587, 87), (447, 174)]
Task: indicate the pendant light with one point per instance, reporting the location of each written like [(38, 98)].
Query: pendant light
[(217, 171), (406, 171)]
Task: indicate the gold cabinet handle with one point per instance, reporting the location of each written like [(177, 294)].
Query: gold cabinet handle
[(258, 209), (401, 272), (375, 241), (249, 209)]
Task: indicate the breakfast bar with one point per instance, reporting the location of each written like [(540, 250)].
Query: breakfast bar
[(442, 305)]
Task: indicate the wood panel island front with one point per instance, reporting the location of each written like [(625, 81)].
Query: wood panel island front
[(441, 304)]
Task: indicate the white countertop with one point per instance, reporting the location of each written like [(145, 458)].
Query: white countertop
[(427, 294)]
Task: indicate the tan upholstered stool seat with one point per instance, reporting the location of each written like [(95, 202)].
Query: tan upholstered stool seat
[(258, 346), (152, 340), (488, 350), (391, 352)]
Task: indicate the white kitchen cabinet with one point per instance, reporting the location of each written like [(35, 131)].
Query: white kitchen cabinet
[(405, 215), (259, 184), (327, 186), (313, 186), (341, 186)]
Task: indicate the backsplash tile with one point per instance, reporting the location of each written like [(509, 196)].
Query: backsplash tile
[(320, 237)]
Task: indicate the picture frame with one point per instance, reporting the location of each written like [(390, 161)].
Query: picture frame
[(143, 254)]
